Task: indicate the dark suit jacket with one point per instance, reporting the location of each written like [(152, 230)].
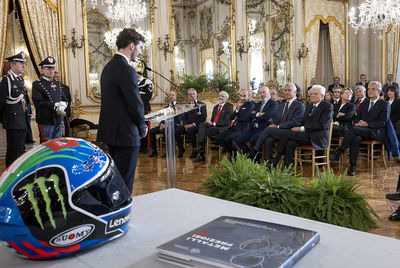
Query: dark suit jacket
[(292, 118), (121, 121), (316, 124), (349, 109), (385, 87), (395, 115), (269, 110), (197, 115), (376, 117), (243, 117), (67, 95), (224, 117), (330, 88)]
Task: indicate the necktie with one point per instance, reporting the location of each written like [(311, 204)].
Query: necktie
[(358, 102), (262, 106), (285, 110), (312, 110), (218, 113), (371, 105)]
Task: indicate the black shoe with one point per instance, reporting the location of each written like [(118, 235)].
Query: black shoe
[(335, 156), (153, 154), (393, 196), (200, 159), (351, 171), (395, 215), (193, 155)]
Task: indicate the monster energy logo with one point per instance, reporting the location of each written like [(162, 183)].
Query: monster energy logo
[(41, 183)]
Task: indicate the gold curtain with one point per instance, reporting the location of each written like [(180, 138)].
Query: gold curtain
[(393, 43), (42, 29), (312, 37), (337, 49), (3, 30)]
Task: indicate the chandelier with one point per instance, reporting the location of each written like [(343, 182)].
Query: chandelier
[(127, 12), (376, 15)]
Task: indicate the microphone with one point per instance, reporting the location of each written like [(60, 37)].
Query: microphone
[(169, 97)]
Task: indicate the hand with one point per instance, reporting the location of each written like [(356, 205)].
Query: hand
[(145, 133), (260, 114), (340, 114), (361, 123), (238, 105), (296, 129), (273, 126), (208, 122), (187, 126)]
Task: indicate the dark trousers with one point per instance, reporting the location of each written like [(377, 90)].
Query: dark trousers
[(250, 136), (153, 141), (339, 131), (179, 131), (268, 137), (125, 158), (226, 138), (205, 130), (288, 142), (353, 139), (15, 144)]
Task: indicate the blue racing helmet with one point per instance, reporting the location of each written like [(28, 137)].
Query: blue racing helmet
[(61, 197)]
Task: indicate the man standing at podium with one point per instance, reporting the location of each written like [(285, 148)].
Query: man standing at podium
[(121, 122)]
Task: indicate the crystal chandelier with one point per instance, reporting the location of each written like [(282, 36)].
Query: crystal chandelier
[(375, 14), (127, 12)]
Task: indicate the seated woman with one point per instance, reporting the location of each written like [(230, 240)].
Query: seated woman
[(343, 113), (392, 96), (328, 97)]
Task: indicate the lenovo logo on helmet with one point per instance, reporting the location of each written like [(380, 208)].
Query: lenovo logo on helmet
[(117, 222), (72, 236)]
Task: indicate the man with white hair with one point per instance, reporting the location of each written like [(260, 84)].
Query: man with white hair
[(220, 120), (369, 124), (314, 128)]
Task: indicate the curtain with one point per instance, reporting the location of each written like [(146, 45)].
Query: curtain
[(3, 30), (312, 37), (324, 71), (393, 43), (41, 27), (337, 49)]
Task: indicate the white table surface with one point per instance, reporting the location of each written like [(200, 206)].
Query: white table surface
[(161, 216)]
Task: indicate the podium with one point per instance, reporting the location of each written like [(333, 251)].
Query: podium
[(168, 114)]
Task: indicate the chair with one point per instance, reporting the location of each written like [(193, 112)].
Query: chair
[(309, 151), (336, 142), (372, 150), (210, 145)]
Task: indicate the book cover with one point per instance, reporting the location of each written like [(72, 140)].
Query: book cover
[(238, 242)]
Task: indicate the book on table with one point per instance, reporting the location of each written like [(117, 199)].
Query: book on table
[(238, 242)]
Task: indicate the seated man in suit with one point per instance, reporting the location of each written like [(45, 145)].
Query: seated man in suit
[(336, 83), (389, 82), (290, 114), (314, 128), (336, 95), (369, 124), (261, 117), (242, 116), (361, 92), (160, 129), (220, 121), (191, 122), (343, 113)]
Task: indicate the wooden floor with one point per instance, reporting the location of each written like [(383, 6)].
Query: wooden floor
[(151, 176)]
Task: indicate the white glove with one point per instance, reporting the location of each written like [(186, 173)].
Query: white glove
[(60, 107)]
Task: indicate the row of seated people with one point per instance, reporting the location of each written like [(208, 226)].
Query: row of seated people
[(288, 124)]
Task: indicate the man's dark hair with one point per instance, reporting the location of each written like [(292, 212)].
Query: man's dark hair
[(127, 36)]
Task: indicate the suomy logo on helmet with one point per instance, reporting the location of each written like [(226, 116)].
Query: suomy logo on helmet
[(72, 236), (41, 184)]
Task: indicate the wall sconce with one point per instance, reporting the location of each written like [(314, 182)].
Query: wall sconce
[(240, 47), (166, 47), (74, 42), (302, 52), (266, 67), (226, 48)]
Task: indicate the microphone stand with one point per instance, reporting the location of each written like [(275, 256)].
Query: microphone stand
[(168, 96)]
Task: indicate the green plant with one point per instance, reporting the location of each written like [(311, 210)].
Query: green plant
[(333, 199), (328, 198), (222, 82), (199, 82)]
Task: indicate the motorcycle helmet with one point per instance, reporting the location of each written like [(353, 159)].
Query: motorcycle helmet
[(61, 197)]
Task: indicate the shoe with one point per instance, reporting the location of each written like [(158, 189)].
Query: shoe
[(252, 154), (393, 196), (153, 154), (193, 155), (181, 152), (163, 155), (351, 171), (395, 215), (335, 156), (200, 159)]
